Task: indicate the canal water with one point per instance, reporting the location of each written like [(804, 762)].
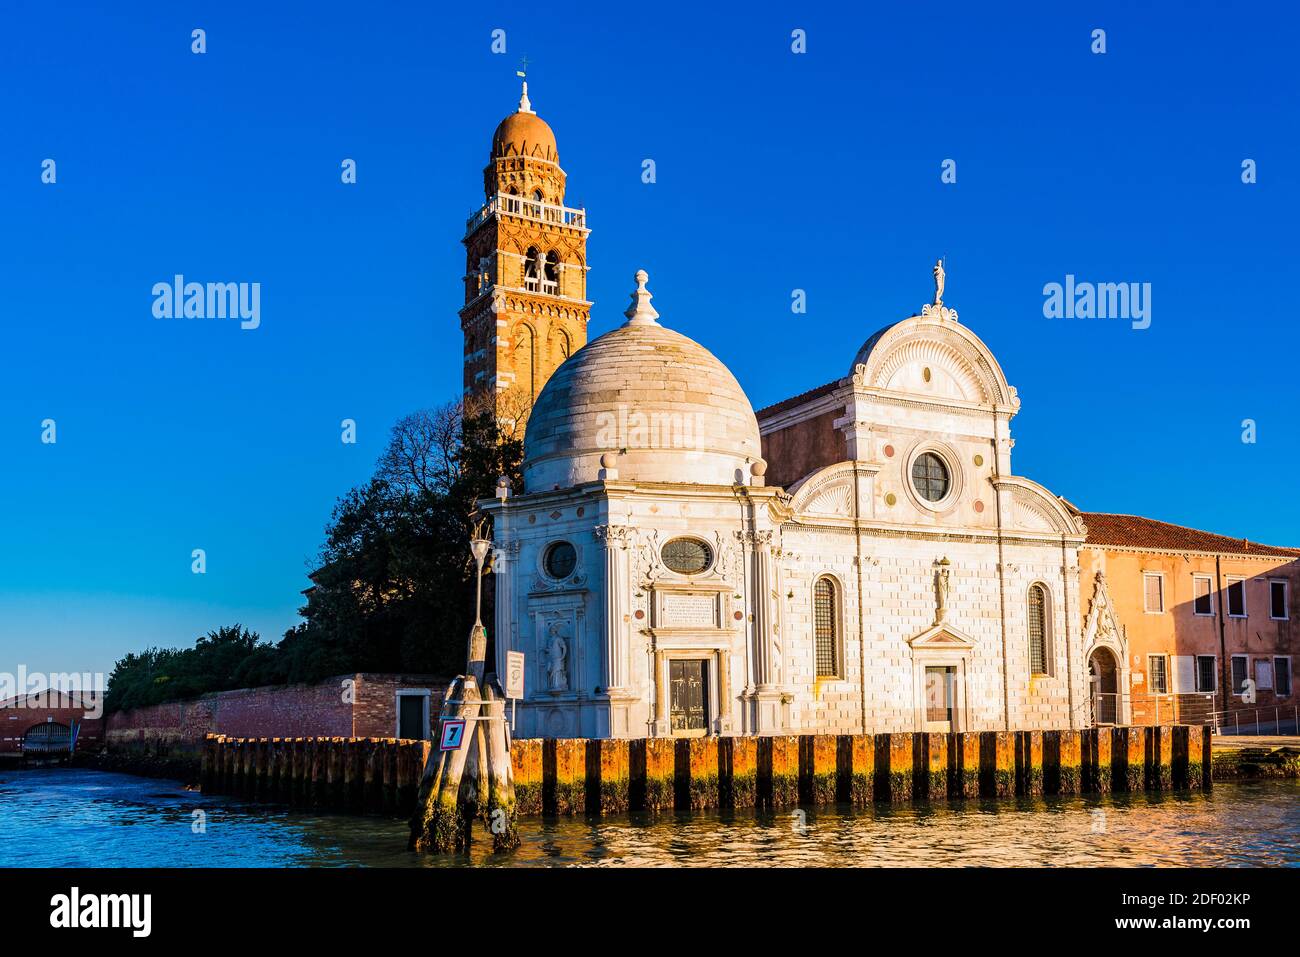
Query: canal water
[(67, 817)]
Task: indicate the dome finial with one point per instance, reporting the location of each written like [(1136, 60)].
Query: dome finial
[(641, 313), (524, 105)]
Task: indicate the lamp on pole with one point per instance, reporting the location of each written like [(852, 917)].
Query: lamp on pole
[(479, 546)]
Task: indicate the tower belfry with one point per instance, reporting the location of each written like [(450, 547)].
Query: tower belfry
[(526, 307)]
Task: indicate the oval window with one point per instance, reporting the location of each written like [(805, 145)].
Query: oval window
[(560, 560), (930, 477), (687, 556)]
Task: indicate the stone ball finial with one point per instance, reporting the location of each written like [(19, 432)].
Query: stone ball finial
[(609, 460), (759, 468)]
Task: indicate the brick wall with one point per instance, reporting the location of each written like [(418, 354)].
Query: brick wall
[(357, 705), (19, 715)]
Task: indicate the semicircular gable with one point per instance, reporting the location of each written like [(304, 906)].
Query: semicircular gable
[(827, 491), (960, 365), (1034, 508)]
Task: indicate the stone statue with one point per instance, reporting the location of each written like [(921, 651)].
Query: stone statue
[(938, 282), (941, 584), (557, 655)]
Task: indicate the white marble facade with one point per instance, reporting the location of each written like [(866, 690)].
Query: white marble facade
[(643, 438)]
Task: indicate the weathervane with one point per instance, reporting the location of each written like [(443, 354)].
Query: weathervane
[(524, 105)]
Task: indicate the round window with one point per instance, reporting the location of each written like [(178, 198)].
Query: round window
[(930, 477), (560, 560), (687, 556)]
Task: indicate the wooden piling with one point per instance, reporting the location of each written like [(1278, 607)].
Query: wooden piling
[(1157, 763), (741, 765), (818, 769), (1029, 763), (570, 786), (660, 774), (930, 761), (894, 771), (1070, 770), (607, 777), (966, 748), (526, 756), (997, 764), (702, 769)]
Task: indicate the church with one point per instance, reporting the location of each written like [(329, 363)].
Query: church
[(858, 558)]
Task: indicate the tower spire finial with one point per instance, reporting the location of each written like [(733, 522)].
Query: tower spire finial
[(524, 105), (641, 313)]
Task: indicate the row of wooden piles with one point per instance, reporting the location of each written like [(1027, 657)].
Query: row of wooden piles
[(352, 775), (575, 776), (612, 777)]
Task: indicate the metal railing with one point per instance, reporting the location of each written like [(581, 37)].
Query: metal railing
[(1278, 719), (1147, 708), (529, 209)]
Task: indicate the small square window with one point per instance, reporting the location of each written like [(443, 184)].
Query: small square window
[(1203, 590), (1236, 598), (1154, 585), (1277, 599)]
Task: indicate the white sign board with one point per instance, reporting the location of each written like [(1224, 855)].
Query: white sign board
[(514, 674)]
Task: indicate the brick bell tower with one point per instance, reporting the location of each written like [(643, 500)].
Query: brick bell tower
[(526, 305)]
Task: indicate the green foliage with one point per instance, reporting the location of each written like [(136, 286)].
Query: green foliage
[(218, 661), (393, 589)]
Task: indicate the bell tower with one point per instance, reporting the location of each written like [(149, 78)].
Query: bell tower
[(526, 305)]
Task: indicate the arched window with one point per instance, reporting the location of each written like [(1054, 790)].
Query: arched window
[(826, 628), (551, 273), (1039, 644), (532, 269)]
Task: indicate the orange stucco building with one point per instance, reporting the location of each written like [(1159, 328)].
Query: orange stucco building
[(1187, 626)]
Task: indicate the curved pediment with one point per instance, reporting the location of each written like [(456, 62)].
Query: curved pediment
[(933, 357), (827, 492), (1035, 509)]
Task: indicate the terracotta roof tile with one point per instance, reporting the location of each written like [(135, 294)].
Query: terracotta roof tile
[(797, 400), (1134, 531)]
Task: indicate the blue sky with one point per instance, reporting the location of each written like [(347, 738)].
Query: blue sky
[(775, 172)]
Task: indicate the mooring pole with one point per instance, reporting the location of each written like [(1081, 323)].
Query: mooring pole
[(471, 778)]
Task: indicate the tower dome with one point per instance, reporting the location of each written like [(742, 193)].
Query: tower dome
[(524, 133), (661, 403)]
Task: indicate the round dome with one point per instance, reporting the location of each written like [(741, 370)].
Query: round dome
[(525, 134), (666, 408)]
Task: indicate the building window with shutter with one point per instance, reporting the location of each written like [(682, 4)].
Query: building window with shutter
[(1153, 584), (1207, 672), (1203, 590), (1277, 609), (1236, 598), (1282, 676), (1238, 673), (1158, 668), (826, 628), (1039, 643)]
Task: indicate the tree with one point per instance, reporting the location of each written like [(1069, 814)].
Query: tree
[(392, 588)]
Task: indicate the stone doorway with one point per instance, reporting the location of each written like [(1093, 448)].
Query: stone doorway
[(688, 691), (1103, 674)]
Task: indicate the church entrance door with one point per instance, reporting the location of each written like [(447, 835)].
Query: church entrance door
[(688, 684), (940, 697)]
